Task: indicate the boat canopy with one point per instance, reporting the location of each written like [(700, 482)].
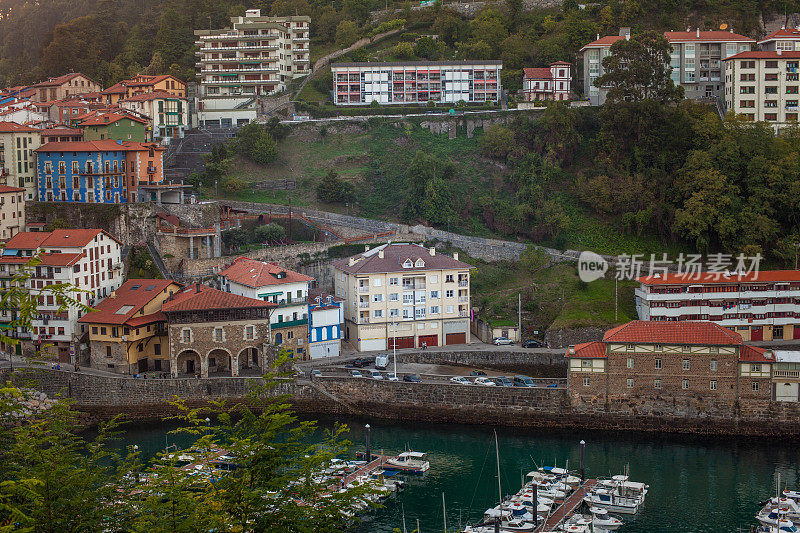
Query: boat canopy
[(620, 477), (413, 455)]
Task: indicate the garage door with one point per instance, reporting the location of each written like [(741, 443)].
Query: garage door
[(455, 338), (369, 345), (796, 331), (402, 342), (756, 333), (430, 340)]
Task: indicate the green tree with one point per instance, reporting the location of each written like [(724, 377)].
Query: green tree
[(497, 142), (333, 189), (427, 48), (403, 50), (270, 233), (235, 238), (638, 69), (346, 33)]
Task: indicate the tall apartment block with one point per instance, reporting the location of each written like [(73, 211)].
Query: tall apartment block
[(416, 82), (764, 86), (696, 60), (257, 56)]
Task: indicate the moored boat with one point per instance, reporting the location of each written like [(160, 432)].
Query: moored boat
[(414, 462)]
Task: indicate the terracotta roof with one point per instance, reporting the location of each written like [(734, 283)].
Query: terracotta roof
[(61, 131), (105, 145), (59, 259), (783, 33), (14, 259), (126, 301), (756, 354), (110, 118), (6, 189), (26, 240), (669, 332), (73, 238), (117, 88), (59, 80), (255, 274), (394, 255), (588, 350), (144, 97), (561, 63), (148, 80), (765, 276), (13, 127), (199, 297), (608, 40), (764, 54), (538, 73), (714, 36)]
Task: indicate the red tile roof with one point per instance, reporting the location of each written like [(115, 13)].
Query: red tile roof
[(59, 80), (60, 259), (143, 320), (603, 42), (110, 118), (133, 293), (538, 73), (764, 54), (255, 274), (61, 131), (105, 145), (26, 240), (73, 238), (117, 88), (394, 255), (765, 276), (13, 127), (561, 63), (199, 297), (6, 189), (144, 97), (588, 350), (705, 36), (756, 354), (668, 332), (783, 33)]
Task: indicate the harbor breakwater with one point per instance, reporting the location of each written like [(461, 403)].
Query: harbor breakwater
[(103, 397)]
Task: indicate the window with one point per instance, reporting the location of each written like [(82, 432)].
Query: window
[(218, 334), (108, 352), (448, 278), (394, 312), (685, 384), (712, 385), (686, 348), (658, 364), (377, 282), (586, 381), (630, 362), (755, 368), (156, 349), (377, 313), (393, 297), (770, 64), (449, 294), (630, 348), (377, 297), (755, 386), (394, 281), (186, 335), (94, 330), (630, 383), (713, 366), (434, 294), (770, 116), (249, 332), (657, 384), (434, 310), (686, 364), (449, 308)]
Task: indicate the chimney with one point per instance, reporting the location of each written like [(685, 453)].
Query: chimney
[(598, 37), (571, 349), (698, 31), (351, 261), (433, 251), (628, 37), (197, 288), (366, 247), (688, 29), (455, 256), (380, 254)]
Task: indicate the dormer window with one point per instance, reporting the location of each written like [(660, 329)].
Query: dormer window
[(408, 264), (420, 263)]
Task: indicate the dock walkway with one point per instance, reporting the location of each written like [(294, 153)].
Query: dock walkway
[(366, 470), (568, 507)]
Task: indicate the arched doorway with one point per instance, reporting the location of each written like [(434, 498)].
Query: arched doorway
[(248, 358), (188, 362), (219, 360), (278, 339)]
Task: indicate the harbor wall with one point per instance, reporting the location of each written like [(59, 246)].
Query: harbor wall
[(538, 362), (103, 397)]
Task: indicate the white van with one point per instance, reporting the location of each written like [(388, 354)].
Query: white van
[(381, 362)]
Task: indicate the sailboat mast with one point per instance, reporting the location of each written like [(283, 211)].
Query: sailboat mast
[(497, 454), (444, 514)]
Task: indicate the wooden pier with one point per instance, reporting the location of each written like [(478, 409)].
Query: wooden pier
[(566, 509), (366, 470)]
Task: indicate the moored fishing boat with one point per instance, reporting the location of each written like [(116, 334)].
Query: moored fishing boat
[(414, 462)]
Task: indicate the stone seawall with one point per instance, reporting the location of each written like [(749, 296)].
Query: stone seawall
[(539, 362)]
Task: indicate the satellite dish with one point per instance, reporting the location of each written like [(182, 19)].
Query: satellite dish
[(723, 26)]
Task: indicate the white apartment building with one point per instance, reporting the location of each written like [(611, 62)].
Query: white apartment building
[(550, 83), (785, 39), (696, 61), (87, 259), (256, 56), (17, 161), (758, 306), (404, 295), (272, 283), (764, 86), (416, 82), (12, 211)]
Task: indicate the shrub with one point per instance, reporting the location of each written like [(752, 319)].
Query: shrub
[(404, 50), (497, 142), (334, 189)]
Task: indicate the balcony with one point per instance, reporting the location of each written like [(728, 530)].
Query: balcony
[(363, 305), (464, 299), (363, 288), (463, 283), (793, 374), (289, 323), (463, 314)]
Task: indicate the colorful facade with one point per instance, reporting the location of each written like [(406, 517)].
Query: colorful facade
[(169, 114), (416, 82), (325, 321), (118, 126), (17, 160), (144, 84)]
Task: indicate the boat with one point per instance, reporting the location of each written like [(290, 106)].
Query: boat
[(602, 522), (414, 462), (607, 499), (785, 526), (771, 517), (791, 494)]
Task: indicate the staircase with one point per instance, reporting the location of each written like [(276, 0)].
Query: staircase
[(157, 260)]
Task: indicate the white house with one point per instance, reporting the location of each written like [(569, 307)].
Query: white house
[(324, 326)]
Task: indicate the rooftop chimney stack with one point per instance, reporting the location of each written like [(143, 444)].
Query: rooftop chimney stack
[(571, 349), (366, 247), (380, 254), (455, 256), (698, 32), (433, 251)]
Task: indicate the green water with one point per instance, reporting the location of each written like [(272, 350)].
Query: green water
[(695, 486)]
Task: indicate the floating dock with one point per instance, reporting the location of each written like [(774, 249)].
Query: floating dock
[(566, 509)]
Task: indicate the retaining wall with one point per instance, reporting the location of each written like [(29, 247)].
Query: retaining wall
[(538, 362)]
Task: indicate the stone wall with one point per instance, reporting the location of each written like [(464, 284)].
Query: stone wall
[(537, 362), (561, 338)]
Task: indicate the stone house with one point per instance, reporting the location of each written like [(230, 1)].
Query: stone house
[(663, 360), (212, 331), (61, 87)]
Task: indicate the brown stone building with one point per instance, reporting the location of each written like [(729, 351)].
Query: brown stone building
[(661, 360), (211, 331)]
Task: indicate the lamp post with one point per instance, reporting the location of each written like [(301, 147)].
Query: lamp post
[(583, 469), (394, 347), (368, 454)]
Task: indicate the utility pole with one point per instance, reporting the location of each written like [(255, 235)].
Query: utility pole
[(519, 314), (615, 299)]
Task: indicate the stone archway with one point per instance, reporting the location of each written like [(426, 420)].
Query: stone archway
[(188, 362), (219, 361), (248, 358)]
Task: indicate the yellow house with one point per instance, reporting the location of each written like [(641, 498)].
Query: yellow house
[(127, 330), (143, 84)]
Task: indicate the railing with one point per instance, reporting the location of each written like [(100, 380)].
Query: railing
[(463, 283), (463, 299), (363, 305), (363, 289), (463, 313), (786, 374)]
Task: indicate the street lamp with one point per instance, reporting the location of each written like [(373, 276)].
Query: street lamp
[(368, 454), (394, 347), (583, 469)]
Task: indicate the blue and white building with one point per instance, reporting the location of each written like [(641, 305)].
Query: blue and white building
[(324, 327)]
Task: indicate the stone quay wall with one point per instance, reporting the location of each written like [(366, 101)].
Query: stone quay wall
[(543, 363)]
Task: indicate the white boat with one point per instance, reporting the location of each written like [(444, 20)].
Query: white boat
[(602, 522), (785, 526), (612, 502), (577, 520), (791, 494), (770, 517), (415, 462), (507, 519)]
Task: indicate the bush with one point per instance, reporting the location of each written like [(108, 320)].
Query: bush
[(389, 25), (334, 189), (270, 233), (346, 33), (409, 37), (404, 50), (497, 142), (427, 48)]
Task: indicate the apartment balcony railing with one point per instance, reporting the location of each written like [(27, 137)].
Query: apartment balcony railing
[(786, 374), (364, 288), (363, 320), (363, 305), (464, 299), (463, 283), (463, 313)]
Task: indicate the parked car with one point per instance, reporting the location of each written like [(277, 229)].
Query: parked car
[(502, 381), (501, 341), (355, 374), (374, 374), (461, 380), (533, 343), (391, 377), (477, 373), (412, 378), (523, 381), (553, 386), (486, 382), (315, 373)]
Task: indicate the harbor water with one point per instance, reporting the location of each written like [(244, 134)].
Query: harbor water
[(696, 486)]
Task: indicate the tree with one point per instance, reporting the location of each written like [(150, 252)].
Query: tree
[(255, 142), (497, 142), (333, 189), (270, 233), (427, 48), (235, 238), (403, 50), (638, 69), (346, 33)]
